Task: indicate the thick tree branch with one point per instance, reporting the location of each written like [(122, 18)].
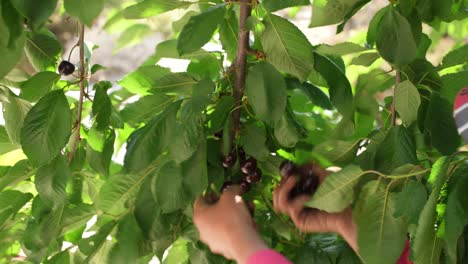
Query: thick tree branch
[(76, 136), (397, 82), (241, 62)]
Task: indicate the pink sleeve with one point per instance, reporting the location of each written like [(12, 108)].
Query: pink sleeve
[(404, 258), (267, 256)]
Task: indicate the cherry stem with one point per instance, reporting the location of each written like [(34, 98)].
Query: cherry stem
[(397, 82), (241, 62), (76, 136)]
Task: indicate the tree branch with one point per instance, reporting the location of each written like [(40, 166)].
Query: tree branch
[(397, 82), (241, 62), (76, 136)]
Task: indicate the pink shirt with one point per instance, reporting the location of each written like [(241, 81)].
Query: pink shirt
[(270, 256)]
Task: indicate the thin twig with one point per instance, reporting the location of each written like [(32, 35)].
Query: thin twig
[(76, 136), (397, 82), (241, 62)]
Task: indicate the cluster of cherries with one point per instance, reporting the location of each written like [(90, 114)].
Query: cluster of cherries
[(248, 166), (307, 182)]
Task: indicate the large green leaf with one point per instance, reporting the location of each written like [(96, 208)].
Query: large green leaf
[(340, 49), (92, 244), (85, 10), (102, 105), (380, 236), (426, 245), (11, 202), (36, 14), (51, 180), (286, 47), (76, 216), (143, 79), (340, 89), (410, 202), (14, 112), (5, 143), (228, 34), (12, 23), (101, 160), (221, 112), (133, 35), (46, 128), (328, 12), (167, 188), (407, 101), (456, 212), (129, 239), (148, 142), (285, 131), (275, 5), (452, 84), (43, 50), (336, 192), (266, 92), (12, 41), (174, 84), (253, 140), (441, 124), (337, 151), (148, 8), (317, 96), (394, 39), (199, 29), (397, 149), (195, 171), (38, 85), (145, 108), (22, 170), (455, 57)]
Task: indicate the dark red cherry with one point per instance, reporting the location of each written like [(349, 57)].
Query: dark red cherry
[(245, 187), (287, 168), (66, 68), (218, 135), (226, 185), (249, 166), (229, 160), (254, 177)]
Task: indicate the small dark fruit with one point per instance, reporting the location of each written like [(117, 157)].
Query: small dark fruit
[(218, 135), (245, 187), (287, 168), (254, 176), (307, 185), (249, 166), (66, 68), (241, 153), (226, 185), (229, 160)]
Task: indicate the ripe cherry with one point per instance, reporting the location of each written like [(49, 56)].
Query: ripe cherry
[(226, 185), (229, 160), (241, 153), (287, 168), (219, 134), (307, 185), (66, 68), (254, 177), (245, 187), (249, 166)]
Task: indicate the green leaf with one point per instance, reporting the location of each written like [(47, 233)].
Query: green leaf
[(410, 202), (328, 12), (397, 149), (266, 92), (178, 254), (452, 84), (21, 171), (336, 192), (195, 171), (143, 79), (286, 47), (38, 85), (228, 34), (455, 57), (167, 188), (275, 5), (426, 245), (101, 160), (340, 89), (338, 152), (46, 128), (85, 10), (317, 96), (51, 180), (148, 142), (285, 132), (5, 144), (76, 216), (221, 113), (102, 105), (97, 67), (13, 21), (11, 202), (174, 84), (37, 15), (150, 8), (92, 244), (365, 59), (129, 240), (253, 140), (14, 112), (199, 29), (168, 49), (380, 236), (456, 212), (43, 50), (340, 49), (407, 102), (394, 39), (441, 124), (145, 108), (12, 41), (133, 35)]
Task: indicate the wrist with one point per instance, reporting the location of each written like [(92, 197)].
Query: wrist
[(347, 230), (245, 245)]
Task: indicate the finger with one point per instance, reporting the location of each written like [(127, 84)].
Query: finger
[(283, 194), (275, 198), (232, 191), (200, 204), (297, 205)]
